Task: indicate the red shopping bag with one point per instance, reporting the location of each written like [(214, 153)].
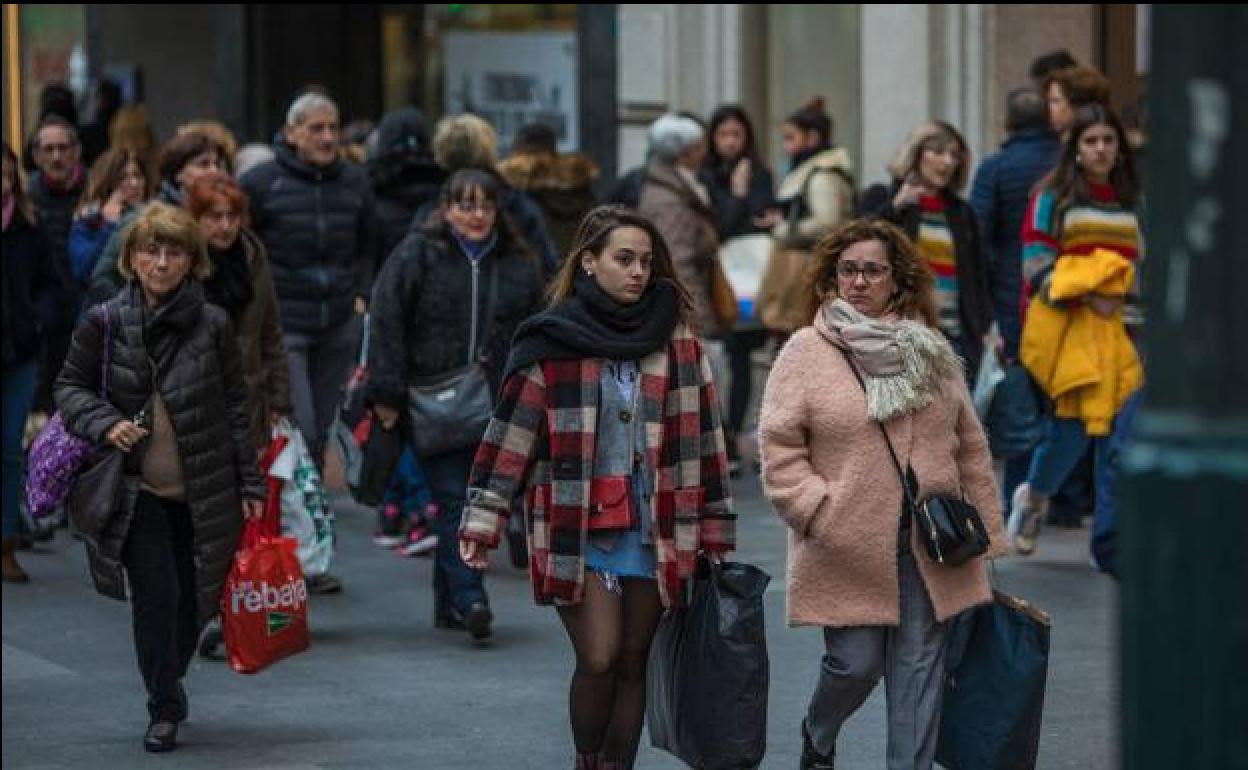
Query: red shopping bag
[(265, 605)]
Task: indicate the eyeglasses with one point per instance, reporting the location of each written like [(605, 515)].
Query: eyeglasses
[(872, 272), (154, 252), (472, 207)]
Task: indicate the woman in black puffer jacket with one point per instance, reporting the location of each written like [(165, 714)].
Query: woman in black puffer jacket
[(423, 326), (176, 405)]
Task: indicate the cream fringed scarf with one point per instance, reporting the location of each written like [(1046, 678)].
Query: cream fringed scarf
[(905, 364)]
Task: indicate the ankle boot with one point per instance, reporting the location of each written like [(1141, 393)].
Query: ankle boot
[(12, 571)]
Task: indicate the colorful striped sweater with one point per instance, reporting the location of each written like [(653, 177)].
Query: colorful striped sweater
[(1100, 222), (936, 247)]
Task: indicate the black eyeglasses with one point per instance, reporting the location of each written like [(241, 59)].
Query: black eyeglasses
[(872, 272)]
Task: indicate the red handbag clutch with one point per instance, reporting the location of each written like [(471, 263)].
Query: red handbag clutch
[(611, 504)]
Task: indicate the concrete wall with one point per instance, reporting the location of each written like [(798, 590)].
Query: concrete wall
[(896, 51), (813, 50), (180, 72), (1014, 35)]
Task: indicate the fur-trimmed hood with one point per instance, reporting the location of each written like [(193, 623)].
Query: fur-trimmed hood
[(549, 172)]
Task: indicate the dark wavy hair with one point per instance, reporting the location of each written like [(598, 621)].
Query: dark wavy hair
[(592, 236), (913, 300), (1068, 182)]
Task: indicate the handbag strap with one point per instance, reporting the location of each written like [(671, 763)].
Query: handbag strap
[(901, 475), (490, 297)]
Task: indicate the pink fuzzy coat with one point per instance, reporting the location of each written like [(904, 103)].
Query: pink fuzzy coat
[(827, 471)]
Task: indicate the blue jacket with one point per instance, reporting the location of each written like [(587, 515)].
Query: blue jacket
[(999, 196)]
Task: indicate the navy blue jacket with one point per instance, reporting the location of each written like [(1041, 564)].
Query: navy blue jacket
[(999, 196), (319, 227)]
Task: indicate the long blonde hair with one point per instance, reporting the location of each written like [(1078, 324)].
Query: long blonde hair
[(936, 133)]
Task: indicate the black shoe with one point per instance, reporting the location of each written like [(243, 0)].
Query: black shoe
[(449, 620), (477, 620), (161, 737), (812, 759), (324, 584)]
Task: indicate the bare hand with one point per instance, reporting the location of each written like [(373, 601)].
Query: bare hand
[(253, 510), (1104, 306), (768, 219), (112, 208), (740, 179), (361, 306), (474, 554), (909, 193), (125, 435), (387, 414)]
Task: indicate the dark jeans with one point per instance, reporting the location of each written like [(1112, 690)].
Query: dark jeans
[(159, 559), (455, 584), (740, 344), (319, 367), (19, 388)]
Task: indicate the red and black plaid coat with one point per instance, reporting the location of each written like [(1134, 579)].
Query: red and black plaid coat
[(541, 443)]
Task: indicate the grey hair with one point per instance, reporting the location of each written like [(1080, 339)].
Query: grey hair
[(672, 134), (309, 102)]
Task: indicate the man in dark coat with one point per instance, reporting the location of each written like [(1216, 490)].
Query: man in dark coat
[(55, 190), (999, 196), (314, 213)]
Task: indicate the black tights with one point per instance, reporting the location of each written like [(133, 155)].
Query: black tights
[(611, 634)]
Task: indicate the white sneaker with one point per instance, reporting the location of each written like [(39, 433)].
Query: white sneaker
[(419, 546), (1023, 525)]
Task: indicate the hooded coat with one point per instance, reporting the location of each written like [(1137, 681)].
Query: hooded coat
[(561, 185)]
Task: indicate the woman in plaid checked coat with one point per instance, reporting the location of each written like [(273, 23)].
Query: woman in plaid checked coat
[(608, 425)]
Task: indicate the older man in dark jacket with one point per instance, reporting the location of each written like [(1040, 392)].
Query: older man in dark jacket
[(54, 192), (999, 196), (314, 213)]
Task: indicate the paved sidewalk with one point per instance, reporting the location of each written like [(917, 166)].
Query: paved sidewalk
[(381, 688)]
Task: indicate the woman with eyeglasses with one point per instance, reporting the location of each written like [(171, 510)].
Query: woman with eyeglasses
[(856, 567), (929, 173), (445, 305), (155, 374)]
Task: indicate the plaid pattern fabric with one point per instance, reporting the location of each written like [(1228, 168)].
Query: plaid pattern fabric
[(541, 443)]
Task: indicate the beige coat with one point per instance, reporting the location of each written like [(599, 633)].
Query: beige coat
[(827, 471), (687, 223)]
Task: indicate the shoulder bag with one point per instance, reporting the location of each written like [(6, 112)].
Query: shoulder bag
[(451, 411), (951, 529)]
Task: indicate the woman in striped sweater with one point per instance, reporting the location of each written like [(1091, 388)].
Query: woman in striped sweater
[(929, 172), (1086, 203)]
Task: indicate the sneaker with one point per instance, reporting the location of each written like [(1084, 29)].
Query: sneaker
[(389, 529), (1026, 513), (324, 584), (420, 542)]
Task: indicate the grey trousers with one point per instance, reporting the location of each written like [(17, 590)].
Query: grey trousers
[(911, 659), (319, 367)]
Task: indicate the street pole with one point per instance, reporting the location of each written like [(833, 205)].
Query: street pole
[(1184, 519)]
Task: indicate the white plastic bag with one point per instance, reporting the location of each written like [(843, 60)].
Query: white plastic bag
[(306, 515), (989, 376)]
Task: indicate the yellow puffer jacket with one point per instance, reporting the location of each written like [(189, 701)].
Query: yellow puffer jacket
[(1085, 362)]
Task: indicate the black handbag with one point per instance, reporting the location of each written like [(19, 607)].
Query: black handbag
[(951, 529), (93, 499), (451, 410)]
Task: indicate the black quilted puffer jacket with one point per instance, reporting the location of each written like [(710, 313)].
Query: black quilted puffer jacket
[(193, 344), (318, 225)]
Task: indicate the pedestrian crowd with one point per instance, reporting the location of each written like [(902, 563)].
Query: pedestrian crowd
[(571, 372)]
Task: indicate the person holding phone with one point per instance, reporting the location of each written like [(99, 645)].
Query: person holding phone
[(118, 182), (929, 173)]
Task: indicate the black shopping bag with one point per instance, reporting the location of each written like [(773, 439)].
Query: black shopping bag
[(370, 452), (997, 662), (708, 675)]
